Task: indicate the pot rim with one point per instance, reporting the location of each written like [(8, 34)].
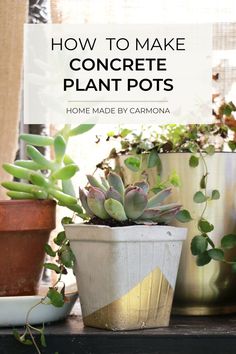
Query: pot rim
[(133, 233), (26, 201)]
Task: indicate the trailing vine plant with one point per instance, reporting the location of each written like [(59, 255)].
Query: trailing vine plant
[(64, 259), (202, 245)]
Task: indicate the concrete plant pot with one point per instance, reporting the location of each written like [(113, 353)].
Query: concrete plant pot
[(126, 275)]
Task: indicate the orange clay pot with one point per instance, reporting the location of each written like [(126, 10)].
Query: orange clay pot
[(25, 226)]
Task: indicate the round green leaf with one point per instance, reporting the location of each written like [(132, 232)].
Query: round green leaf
[(55, 297), (215, 194), (60, 238), (199, 197), (183, 216), (228, 241), (203, 259), (216, 254), (232, 145), (198, 245), (193, 161), (204, 226), (210, 150)]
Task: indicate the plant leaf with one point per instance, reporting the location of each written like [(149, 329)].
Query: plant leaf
[(210, 150), (199, 197), (48, 249), (183, 216), (133, 163), (59, 147), (198, 245), (52, 266), (81, 129), (55, 297), (37, 140), (158, 198), (204, 226), (65, 172), (228, 241), (215, 194), (115, 209), (153, 159), (203, 259), (193, 161), (60, 238), (216, 254)]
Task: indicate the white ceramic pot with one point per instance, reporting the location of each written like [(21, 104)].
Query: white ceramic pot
[(126, 275)]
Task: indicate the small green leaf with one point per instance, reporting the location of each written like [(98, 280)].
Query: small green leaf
[(52, 266), (60, 238), (193, 161), (210, 150), (22, 338), (198, 245), (59, 147), (133, 163), (153, 159), (37, 140), (124, 132), (203, 182), (66, 220), (48, 249), (62, 197), (65, 172), (67, 256), (37, 157), (43, 340), (199, 197), (17, 171), (81, 129), (31, 165), (232, 145), (215, 194), (216, 254), (183, 216), (115, 209), (39, 180), (228, 241), (203, 259), (175, 179), (55, 297), (20, 195), (204, 226)]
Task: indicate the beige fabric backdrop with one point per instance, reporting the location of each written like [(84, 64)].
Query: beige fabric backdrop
[(12, 17)]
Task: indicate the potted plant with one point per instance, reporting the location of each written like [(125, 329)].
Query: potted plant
[(188, 156), (126, 255), (27, 219)]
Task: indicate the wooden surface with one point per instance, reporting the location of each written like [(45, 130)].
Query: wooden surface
[(190, 335)]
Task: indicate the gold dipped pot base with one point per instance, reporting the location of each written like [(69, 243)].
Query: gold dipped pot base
[(147, 305)]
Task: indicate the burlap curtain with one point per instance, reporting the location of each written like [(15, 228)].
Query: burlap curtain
[(12, 17)]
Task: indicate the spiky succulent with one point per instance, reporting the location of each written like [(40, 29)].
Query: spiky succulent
[(109, 199)]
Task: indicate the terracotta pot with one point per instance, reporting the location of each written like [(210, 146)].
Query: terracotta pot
[(25, 226)]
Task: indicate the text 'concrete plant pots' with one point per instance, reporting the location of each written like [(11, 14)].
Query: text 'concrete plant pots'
[(25, 226), (126, 275)]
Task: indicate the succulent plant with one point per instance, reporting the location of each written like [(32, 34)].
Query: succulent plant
[(45, 178), (109, 199)]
